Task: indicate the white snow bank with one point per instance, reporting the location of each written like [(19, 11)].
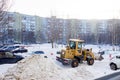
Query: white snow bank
[(37, 67), (4, 67)]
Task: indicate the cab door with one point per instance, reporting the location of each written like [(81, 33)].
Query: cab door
[(72, 52), (79, 48)]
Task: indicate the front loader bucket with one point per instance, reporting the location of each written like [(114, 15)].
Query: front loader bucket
[(63, 61), (58, 59)]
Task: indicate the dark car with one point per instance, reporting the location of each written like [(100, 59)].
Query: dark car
[(20, 50), (11, 48), (2, 49), (8, 48), (101, 53), (38, 52), (7, 58)]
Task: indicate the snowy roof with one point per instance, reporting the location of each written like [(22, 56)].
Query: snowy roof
[(76, 40)]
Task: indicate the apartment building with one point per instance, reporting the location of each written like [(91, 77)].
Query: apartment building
[(24, 28)]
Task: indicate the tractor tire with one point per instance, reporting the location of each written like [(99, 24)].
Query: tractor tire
[(113, 66), (90, 61), (74, 63)]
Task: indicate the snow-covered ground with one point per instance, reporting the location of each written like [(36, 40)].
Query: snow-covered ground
[(82, 72)]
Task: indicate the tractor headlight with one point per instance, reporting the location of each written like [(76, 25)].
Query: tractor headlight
[(63, 52)]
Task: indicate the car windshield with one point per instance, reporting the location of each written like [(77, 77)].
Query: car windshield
[(4, 47), (12, 47), (38, 52)]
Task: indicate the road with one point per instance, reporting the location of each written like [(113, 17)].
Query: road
[(114, 76)]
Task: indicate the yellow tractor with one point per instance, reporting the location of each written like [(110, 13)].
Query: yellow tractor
[(75, 54)]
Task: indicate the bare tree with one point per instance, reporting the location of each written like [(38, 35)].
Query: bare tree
[(75, 26), (114, 27), (114, 31), (118, 33), (52, 27), (4, 7), (111, 30), (59, 30), (68, 29)]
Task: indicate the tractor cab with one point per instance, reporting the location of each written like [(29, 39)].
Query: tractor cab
[(76, 45)]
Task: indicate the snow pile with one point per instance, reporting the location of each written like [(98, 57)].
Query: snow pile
[(82, 72), (37, 67), (4, 67), (1, 77)]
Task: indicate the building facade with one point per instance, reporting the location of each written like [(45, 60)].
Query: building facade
[(22, 28)]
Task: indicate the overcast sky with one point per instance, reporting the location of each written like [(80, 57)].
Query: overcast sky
[(81, 9)]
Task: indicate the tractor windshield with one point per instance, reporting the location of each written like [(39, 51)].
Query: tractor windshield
[(79, 45), (72, 44)]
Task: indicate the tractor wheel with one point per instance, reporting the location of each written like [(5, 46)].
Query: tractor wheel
[(113, 66), (90, 61), (74, 63)]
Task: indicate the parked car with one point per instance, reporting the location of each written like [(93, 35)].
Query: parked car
[(115, 63), (38, 52), (8, 57), (58, 52), (20, 50), (8, 48), (101, 53), (2, 49), (4, 46)]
